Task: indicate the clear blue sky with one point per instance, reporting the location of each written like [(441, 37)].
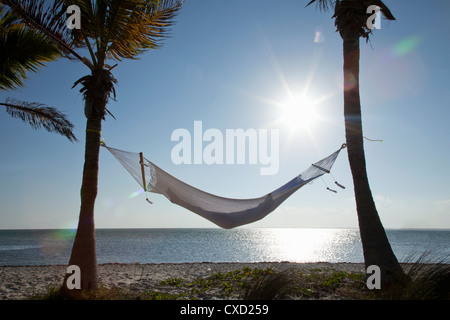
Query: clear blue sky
[(226, 64)]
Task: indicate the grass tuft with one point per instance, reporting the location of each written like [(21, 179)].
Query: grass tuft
[(428, 278)]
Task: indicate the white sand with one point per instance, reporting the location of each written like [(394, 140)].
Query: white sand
[(19, 282)]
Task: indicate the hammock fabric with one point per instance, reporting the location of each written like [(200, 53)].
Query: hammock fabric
[(225, 212)]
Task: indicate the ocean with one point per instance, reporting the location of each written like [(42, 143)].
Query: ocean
[(52, 247)]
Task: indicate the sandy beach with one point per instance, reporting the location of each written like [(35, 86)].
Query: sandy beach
[(20, 282)]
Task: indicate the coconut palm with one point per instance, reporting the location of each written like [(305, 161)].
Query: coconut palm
[(110, 30), (351, 22), (23, 50)]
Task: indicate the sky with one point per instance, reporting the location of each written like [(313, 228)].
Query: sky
[(241, 64)]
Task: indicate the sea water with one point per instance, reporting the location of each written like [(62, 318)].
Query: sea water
[(53, 247)]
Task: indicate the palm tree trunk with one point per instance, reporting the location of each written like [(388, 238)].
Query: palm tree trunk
[(84, 251), (376, 247)]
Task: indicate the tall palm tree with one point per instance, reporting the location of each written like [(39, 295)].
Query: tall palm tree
[(351, 22), (110, 30), (23, 50)]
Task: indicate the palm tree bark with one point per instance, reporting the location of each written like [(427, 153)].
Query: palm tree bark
[(376, 247), (84, 250)]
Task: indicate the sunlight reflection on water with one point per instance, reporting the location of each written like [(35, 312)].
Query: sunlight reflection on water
[(309, 245)]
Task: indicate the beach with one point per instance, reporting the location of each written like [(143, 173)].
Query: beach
[(21, 282)]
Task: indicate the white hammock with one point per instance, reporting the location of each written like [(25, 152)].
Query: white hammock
[(224, 212)]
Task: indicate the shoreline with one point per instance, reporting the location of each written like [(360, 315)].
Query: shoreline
[(21, 282)]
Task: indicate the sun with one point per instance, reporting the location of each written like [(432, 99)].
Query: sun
[(298, 113)]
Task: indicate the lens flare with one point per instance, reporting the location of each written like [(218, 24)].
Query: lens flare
[(399, 70), (405, 46), (350, 81), (135, 194), (67, 229), (57, 243), (318, 36)]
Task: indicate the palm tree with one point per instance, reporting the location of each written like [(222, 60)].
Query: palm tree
[(351, 23), (22, 50), (110, 30)]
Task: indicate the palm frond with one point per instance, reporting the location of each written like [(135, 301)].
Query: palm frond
[(384, 10), (50, 21), (39, 115), (323, 5), (8, 18), (135, 26), (22, 50)]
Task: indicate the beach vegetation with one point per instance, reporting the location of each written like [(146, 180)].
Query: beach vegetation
[(268, 286), (105, 293), (50, 293), (172, 282), (428, 278), (428, 281), (245, 284)]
